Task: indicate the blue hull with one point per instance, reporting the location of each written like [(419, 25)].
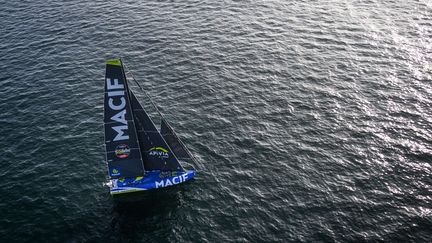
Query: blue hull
[(151, 180)]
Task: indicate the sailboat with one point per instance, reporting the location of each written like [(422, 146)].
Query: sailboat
[(140, 157)]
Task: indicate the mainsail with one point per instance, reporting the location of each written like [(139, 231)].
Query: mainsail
[(123, 153), (156, 153)]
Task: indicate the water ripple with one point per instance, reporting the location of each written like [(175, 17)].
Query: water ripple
[(310, 120)]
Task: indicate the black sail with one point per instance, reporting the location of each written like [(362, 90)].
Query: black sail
[(123, 152), (156, 153), (178, 148)]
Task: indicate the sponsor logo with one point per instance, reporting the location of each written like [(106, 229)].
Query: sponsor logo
[(122, 151), (115, 172), (158, 152), (169, 182), (117, 102)]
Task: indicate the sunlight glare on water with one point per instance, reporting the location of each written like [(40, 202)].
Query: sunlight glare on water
[(311, 120)]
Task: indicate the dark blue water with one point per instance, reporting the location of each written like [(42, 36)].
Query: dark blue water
[(311, 120)]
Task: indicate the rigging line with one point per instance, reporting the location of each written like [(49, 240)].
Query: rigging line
[(162, 116), (181, 143), (145, 92)]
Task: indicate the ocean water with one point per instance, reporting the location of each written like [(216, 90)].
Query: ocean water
[(311, 120)]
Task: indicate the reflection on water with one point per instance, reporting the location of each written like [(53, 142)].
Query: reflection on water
[(151, 211), (311, 120)]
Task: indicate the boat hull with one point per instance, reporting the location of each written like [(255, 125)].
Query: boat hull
[(151, 180)]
